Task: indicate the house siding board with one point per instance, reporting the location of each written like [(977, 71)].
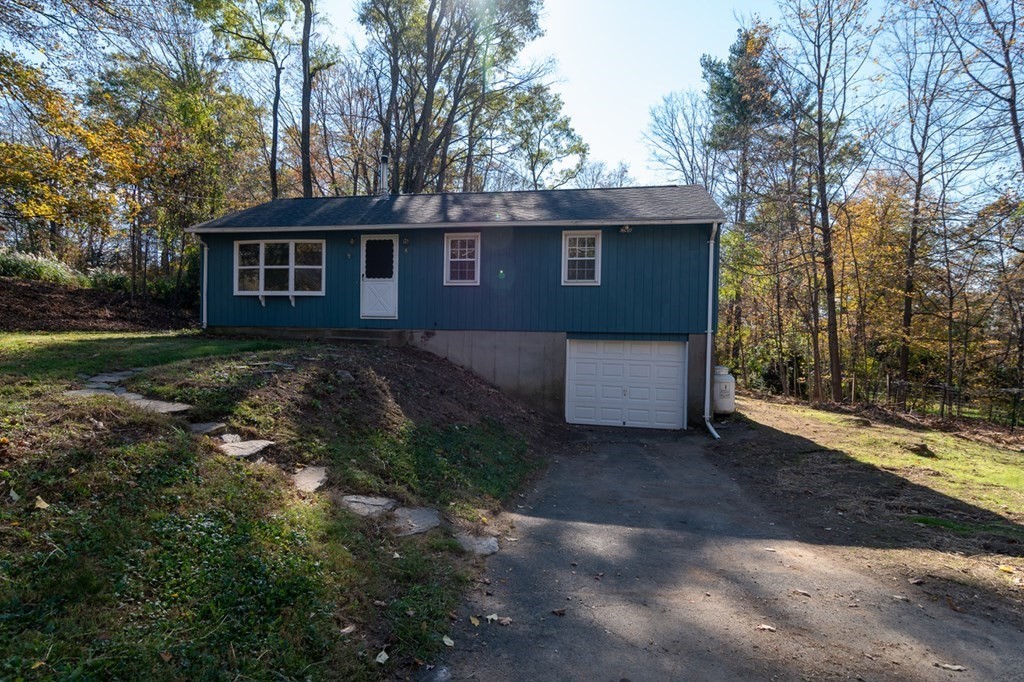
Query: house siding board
[(653, 281)]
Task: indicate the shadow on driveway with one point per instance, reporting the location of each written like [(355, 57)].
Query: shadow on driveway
[(668, 569)]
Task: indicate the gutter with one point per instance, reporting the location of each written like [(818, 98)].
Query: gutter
[(206, 270), (711, 316)]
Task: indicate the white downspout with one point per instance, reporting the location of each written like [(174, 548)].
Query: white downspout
[(206, 270), (711, 316)]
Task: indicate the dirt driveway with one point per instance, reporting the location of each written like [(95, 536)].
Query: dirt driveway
[(667, 569)]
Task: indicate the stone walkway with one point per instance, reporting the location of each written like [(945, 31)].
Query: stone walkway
[(404, 520), (110, 384)]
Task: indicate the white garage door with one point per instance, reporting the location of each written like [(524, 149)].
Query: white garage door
[(626, 383)]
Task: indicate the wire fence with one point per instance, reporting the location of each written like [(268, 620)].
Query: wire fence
[(1001, 406)]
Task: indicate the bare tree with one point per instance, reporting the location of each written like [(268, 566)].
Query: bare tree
[(598, 174), (680, 137), (929, 132), (985, 36)]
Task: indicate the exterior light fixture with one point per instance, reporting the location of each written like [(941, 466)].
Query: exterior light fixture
[(625, 229)]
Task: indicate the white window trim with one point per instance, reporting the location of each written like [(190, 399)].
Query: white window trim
[(448, 282), (291, 268), (566, 282)]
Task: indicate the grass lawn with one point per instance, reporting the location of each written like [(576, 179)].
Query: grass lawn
[(131, 550), (919, 500)]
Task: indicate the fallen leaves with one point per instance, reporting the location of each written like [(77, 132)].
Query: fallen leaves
[(558, 612), (448, 641), (1006, 568), (166, 656), (40, 503), (950, 666), (500, 620), (475, 621), (766, 628)]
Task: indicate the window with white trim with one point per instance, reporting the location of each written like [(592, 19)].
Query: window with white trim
[(462, 259), (581, 258), (279, 268)]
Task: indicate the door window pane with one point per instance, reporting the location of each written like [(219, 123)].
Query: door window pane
[(380, 259)]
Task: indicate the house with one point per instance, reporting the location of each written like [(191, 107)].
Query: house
[(597, 303)]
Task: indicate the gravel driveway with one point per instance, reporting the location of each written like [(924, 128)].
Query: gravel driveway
[(667, 570)]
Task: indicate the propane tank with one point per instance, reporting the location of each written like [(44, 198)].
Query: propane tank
[(724, 391)]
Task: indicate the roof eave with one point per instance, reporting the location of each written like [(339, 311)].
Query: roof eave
[(227, 229)]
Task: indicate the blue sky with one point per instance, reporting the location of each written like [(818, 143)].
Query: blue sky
[(616, 59)]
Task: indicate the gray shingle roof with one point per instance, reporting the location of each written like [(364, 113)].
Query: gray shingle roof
[(637, 205)]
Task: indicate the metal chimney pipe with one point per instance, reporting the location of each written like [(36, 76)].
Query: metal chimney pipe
[(383, 189)]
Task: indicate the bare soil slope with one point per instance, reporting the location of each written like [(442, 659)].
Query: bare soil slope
[(42, 306)]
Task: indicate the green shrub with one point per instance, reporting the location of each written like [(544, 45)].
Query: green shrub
[(27, 266), (111, 280)]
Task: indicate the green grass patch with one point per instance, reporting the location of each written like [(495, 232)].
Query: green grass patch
[(446, 465), (62, 356), (968, 528)]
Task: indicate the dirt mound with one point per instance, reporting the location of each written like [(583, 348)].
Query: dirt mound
[(42, 306)]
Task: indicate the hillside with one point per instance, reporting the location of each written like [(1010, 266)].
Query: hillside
[(42, 306), (135, 550)]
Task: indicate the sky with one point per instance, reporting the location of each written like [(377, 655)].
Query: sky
[(615, 59)]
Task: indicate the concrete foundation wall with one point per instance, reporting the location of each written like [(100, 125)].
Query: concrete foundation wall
[(695, 381), (527, 365)]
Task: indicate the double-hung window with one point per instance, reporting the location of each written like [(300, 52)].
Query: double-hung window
[(581, 258), (462, 259), (279, 268)]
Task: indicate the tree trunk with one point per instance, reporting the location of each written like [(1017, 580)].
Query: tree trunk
[(307, 89), (275, 191), (828, 262)]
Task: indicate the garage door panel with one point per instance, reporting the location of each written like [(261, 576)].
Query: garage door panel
[(663, 394), (642, 393), (619, 383), (640, 371), (613, 369), (640, 349), (667, 372), (585, 391)]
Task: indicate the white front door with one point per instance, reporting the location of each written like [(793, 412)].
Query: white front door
[(378, 287), (626, 383)]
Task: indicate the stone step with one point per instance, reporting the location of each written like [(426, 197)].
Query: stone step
[(367, 505), (246, 448), (310, 479), (207, 428), (415, 520), (480, 545), (357, 339)]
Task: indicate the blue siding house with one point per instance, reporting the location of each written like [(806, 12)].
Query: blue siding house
[(597, 303)]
